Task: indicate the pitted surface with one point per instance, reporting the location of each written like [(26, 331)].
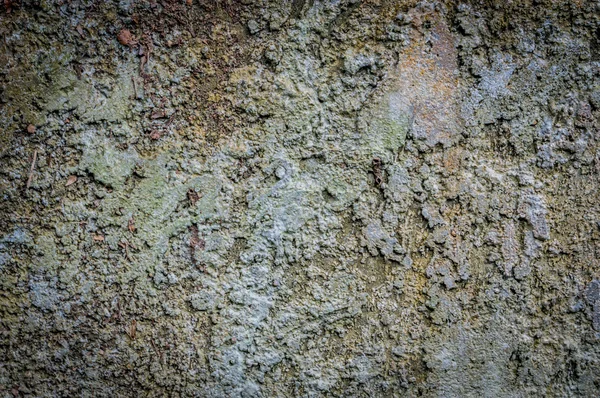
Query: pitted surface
[(300, 198)]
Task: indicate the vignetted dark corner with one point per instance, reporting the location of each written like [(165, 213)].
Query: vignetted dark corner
[(299, 198)]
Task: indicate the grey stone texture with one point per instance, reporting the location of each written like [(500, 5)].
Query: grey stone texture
[(300, 198)]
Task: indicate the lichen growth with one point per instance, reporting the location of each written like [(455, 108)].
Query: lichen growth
[(299, 199)]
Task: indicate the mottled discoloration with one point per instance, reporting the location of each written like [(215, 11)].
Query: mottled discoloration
[(300, 198)]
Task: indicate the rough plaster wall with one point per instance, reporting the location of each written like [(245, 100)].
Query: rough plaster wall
[(300, 198)]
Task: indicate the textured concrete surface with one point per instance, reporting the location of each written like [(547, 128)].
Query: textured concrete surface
[(299, 198)]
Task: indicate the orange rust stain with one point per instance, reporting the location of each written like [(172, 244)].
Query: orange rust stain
[(452, 159), (427, 78)]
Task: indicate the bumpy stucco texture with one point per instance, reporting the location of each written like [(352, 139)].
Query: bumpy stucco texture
[(300, 198)]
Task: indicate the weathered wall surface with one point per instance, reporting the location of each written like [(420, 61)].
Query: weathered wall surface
[(300, 198)]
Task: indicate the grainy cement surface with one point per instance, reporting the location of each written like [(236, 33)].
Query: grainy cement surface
[(299, 198)]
